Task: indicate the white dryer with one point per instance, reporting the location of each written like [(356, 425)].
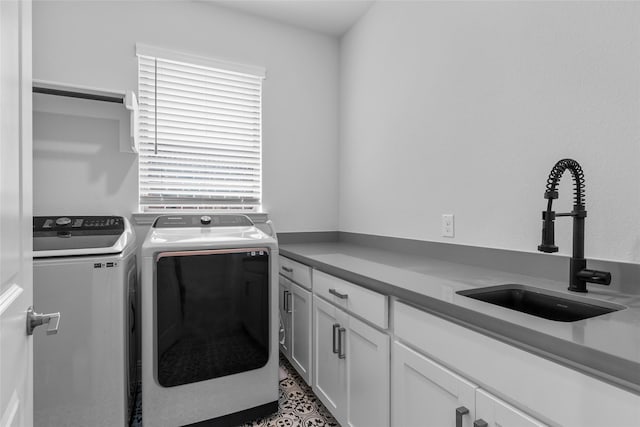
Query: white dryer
[(85, 268), (209, 321)]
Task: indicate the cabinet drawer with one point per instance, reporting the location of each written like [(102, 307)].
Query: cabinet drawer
[(365, 303), (299, 273)]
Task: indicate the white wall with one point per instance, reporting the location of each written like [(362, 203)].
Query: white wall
[(77, 166), (464, 107)]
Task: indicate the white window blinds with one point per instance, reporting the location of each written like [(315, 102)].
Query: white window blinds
[(200, 136)]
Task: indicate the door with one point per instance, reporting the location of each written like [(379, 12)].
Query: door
[(301, 331), (367, 356), (497, 413), (425, 393), (213, 314), (16, 283), (284, 301), (329, 371)]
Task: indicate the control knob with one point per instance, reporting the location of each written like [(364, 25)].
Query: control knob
[(205, 220), (63, 221)]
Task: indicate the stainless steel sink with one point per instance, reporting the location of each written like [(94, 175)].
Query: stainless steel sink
[(542, 302)]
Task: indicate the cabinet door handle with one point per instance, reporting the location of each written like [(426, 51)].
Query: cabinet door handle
[(287, 269), (341, 351), (285, 301), (335, 328), (338, 294), (289, 299), (460, 411), (480, 423)]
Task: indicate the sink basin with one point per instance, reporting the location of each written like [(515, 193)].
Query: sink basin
[(542, 303)]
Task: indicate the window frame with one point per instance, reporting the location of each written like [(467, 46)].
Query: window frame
[(192, 203)]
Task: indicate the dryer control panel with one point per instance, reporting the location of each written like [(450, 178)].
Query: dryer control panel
[(190, 221)]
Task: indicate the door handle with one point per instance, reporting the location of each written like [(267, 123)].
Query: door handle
[(341, 351), (285, 301), (38, 319), (480, 423), (335, 328), (338, 294), (460, 411)]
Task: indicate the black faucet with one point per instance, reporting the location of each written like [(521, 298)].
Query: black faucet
[(579, 275)]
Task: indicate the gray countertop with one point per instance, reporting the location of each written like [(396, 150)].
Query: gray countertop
[(607, 346)]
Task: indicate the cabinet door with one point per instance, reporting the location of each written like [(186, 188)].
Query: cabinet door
[(329, 371), (425, 393), (301, 331), (285, 317), (497, 413), (367, 356)]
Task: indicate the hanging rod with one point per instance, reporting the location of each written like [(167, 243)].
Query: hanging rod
[(71, 94), (75, 91)]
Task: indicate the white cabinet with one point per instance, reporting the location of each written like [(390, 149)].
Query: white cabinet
[(436, 373), (329, 370), (367, 356), (540, 391), (301, 312), (371, 306), (296, 272), (295, 315), (351, 367), (496, 413), (284, 289), (425, 393)]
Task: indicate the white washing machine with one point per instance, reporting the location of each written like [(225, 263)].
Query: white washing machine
[(209, 321), (84, 268)]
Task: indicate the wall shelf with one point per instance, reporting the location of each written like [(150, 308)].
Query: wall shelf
[(129, 141)]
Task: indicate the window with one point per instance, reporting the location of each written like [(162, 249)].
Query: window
[(199, 132)]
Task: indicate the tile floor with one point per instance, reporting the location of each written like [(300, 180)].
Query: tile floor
[(298, 406)]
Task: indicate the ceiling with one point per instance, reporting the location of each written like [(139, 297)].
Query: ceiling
[(331, 17)]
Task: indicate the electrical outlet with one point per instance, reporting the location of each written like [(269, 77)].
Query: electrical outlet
[(447, 225)]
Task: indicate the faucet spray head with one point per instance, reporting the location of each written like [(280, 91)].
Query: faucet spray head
[(548, 226), (548, 233)]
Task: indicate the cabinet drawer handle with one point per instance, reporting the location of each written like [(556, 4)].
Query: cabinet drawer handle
[(338, 294), (480, 423), (285, 301), (460, 411), (341, 351), (287, 269), (335, 328)]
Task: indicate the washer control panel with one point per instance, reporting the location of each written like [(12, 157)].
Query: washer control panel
[(84, 224)]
